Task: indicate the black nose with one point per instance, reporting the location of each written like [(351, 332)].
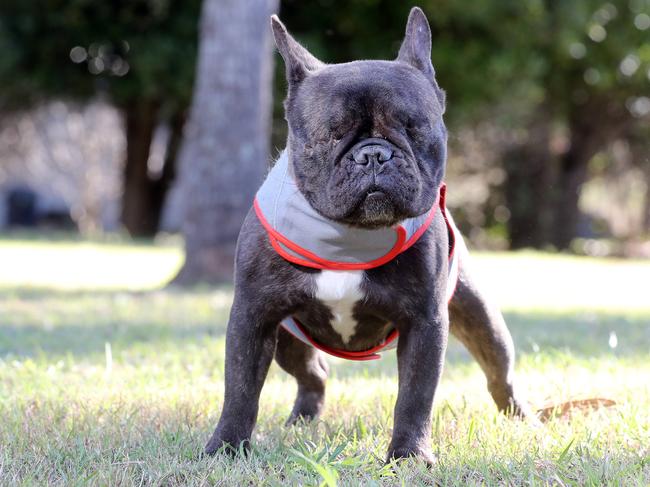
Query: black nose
[(372, 153)]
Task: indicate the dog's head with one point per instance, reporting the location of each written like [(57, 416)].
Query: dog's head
[(367, 141)]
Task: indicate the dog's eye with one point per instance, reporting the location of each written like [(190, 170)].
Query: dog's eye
[(416, 128), (416, 124), (338, 130)]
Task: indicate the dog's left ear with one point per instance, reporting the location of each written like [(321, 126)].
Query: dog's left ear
[(416, 48)]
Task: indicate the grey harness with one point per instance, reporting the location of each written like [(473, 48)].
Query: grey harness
[(302, 236)]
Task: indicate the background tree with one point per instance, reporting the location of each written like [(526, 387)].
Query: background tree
[(140, 53), (539, 91), (592, 84), (225, 153)]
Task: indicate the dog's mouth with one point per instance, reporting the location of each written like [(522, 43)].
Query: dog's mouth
[(374, 183), (374, 193), (374, 210)]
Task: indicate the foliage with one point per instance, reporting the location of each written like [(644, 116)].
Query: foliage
[(468, 49), (494, 51), (598, 49), (75, 48), (140, 53), (564, 80)]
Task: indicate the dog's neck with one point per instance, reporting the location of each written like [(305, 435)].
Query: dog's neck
[(302, 235)]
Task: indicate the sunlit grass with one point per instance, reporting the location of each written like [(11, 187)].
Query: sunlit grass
[(63, 265), (534, 280), (101, 383)]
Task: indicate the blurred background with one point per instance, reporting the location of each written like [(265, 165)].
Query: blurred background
[(133, 136), (144, 118)]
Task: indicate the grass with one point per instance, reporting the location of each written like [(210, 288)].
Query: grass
[(107, 380)]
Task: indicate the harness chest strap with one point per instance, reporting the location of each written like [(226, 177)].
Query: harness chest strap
[(301, 235), (390, 342)]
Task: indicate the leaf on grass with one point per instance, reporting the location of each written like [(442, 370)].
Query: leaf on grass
[(361, 428), (328, 474), (565, 451), (566, 409), (337, 451)]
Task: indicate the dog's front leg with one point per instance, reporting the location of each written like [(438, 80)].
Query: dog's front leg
[(250, 344), (420, 356)]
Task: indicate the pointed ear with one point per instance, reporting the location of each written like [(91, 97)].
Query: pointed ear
[(416, 49), (416, 46), (299, 61)]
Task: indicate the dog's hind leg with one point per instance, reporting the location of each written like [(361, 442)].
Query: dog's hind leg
[(310, 369), (480, 326)]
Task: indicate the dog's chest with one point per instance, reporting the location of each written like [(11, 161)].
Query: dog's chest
[(340, 291)]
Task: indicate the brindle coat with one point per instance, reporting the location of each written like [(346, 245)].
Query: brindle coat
[(332, 111)]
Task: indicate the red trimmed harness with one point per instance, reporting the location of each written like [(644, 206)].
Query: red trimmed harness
[(309, 259)]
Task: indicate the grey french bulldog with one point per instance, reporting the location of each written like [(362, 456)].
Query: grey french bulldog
[(349, 250)]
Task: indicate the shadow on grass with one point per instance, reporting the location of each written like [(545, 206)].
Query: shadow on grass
[(41, 293), (79, 323), (82, 341), (40, 322), (582, 333)]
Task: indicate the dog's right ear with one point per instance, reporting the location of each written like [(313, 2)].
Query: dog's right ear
[(299, 61)]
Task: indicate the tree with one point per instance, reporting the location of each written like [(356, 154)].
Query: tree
[(478, 47), (596, 56), (604, 53), (560, 79), (225, 153), (139, 53)]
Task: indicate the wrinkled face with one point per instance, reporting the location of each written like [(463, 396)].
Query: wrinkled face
[(367, 142)]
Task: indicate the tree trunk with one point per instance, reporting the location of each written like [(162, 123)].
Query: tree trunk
[(161, 186), (646, 207), (528, 180), (589, 134), (225, 151), (144, 197), (141, 118), (571, 176), (646, 210), (641, 147)]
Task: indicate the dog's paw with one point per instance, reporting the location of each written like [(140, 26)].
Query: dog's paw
[(230, 448), (403, 452), (298, 418), (307, 407), (520, 409)]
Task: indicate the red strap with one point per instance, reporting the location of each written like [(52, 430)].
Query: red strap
[(372, 353), (309, 259), (363, 355)]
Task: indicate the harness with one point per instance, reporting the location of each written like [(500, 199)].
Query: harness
[(304, 237)]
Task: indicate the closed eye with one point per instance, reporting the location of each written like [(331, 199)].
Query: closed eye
[(340, 130), (417, 123)]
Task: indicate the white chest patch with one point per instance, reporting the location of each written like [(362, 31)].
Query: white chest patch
[(340, 290)]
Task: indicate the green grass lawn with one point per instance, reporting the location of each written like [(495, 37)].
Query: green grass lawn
[(107, 380)]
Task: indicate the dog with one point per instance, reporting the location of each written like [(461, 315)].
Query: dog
[(348, 248)]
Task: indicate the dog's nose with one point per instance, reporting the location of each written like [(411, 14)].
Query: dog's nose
[(372, 153)]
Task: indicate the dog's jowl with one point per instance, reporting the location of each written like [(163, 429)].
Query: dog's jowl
[(348, 249)]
